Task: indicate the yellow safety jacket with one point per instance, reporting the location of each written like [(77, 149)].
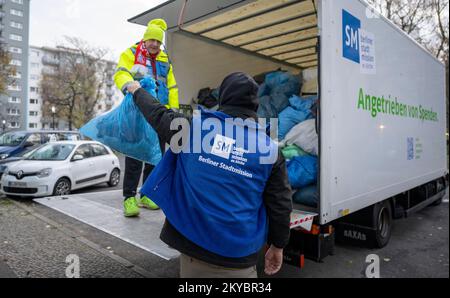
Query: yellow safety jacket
[(167, 86)]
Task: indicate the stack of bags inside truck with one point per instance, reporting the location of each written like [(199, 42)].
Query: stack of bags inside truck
[(293, 100)]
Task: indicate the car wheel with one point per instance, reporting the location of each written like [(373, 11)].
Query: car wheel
[(114, 178), (62, 187)]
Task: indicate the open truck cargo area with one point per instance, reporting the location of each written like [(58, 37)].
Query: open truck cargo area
[(381, 118)]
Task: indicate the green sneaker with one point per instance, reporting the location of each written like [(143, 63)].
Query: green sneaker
[(131, 208), (149, 204)]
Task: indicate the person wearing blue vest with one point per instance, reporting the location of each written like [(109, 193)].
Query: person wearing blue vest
[(222, 202)]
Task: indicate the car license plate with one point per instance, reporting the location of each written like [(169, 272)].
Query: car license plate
[(17, 184)]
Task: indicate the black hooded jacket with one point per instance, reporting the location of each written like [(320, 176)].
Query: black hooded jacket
[(238, 99)]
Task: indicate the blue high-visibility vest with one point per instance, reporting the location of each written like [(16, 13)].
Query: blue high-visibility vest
[(215, 197), (162, 73)]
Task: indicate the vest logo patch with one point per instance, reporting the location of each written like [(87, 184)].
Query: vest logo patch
[(223, 146)]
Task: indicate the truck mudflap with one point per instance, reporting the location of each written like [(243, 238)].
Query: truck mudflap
[(308, 240)]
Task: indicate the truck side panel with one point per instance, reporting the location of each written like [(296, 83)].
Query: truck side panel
[(383, 110)]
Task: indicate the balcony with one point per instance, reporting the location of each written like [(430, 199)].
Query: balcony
[(49, 60), (48, 71)]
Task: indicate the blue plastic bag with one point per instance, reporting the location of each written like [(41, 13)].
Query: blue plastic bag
[(278, 88), (308, 196), (298, 111), (125, 129), (266, 109), (302, 171)]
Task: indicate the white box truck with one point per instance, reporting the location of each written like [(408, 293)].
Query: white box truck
[(382, 108)]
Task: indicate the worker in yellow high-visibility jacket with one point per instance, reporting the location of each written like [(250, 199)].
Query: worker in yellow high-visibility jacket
[(145, 58)]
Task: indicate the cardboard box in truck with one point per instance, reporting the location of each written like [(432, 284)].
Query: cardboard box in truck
[(382, 112)]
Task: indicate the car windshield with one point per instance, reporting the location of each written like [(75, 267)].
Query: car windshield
[(12, 139), (52, 152), (27, 153)]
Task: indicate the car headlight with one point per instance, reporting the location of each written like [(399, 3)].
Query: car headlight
[(4, 156), (44, 173)]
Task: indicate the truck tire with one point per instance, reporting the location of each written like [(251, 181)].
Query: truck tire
[(382, 222)]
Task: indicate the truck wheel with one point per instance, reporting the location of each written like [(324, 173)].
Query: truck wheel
[(383, 222)]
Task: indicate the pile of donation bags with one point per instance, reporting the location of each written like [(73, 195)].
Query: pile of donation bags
[(297, 135)]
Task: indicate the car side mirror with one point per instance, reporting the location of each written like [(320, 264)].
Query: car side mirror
[(29, 144), (77, 157)]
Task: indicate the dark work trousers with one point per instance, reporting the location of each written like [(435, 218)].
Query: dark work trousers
[(133, 172)]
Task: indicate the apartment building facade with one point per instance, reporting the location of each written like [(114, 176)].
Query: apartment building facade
[(46, 60), (14, 37)]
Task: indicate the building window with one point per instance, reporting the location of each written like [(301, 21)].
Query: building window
[(14, 99), (15, 50), (33, 125), (35, 53), (34, 77), (14, 88), (13, 112), (16, 12), (34, 89), (34, 113), (14, 125), (16, 62), (16, 25), (15, 37), (34, 101), (18, 75), (34, 65)]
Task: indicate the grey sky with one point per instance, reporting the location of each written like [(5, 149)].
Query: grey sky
[(99, 22)]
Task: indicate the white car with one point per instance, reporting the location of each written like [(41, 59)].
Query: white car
[(55, 169)]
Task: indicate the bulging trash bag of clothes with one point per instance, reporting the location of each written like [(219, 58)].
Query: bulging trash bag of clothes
[(292, 151), (266, 109), (305, 136), (298, 111), (308, 196), (279, 86), (302, 171), (283, 82), (125, 129)]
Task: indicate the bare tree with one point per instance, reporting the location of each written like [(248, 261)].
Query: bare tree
[(74, 86), (7, 71)]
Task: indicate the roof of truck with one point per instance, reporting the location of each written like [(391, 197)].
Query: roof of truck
[(284, 31), (218, 20)]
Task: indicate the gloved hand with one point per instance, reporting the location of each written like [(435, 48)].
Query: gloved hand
[(132, 87)]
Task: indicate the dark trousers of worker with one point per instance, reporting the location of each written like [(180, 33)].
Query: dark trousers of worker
[(133, 172)]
